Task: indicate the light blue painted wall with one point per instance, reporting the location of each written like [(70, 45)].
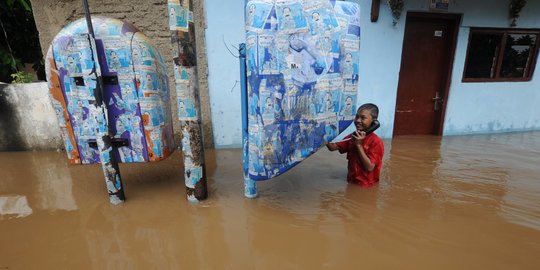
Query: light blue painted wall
[(225, 27), (471, 107), (496, 106)]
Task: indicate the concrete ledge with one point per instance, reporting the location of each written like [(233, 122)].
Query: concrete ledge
[(27, 119)]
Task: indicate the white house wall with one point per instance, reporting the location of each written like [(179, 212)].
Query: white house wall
[(471, 107)]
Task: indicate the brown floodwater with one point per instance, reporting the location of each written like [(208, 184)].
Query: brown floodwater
[(463, 202)]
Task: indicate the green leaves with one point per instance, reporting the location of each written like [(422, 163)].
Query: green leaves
[(19, 39), (6, 59), (11, 4), (514, 10), (21, 77), (396, 6)]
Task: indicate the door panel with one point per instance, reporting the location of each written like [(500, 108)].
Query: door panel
[(428, 48)]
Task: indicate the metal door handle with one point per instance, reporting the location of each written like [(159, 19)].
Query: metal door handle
[(436, 101)]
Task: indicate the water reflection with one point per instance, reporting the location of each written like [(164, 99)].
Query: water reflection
[(43, 177), (53, 182), (14, 206), (410, 175), (496, 172)]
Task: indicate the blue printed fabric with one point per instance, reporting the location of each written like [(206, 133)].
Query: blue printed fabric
[(302, 73)]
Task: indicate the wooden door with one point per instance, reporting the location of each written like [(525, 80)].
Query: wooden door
[(428, 51)]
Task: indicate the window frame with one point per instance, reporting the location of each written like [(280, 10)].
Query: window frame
[(504, 32)]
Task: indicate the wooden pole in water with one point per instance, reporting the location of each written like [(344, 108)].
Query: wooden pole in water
[(187, 94), (109, 164)]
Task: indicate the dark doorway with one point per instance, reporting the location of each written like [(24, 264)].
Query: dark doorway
[(426, 67)]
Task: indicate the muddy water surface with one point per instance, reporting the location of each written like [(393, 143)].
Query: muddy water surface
[(467, 202)]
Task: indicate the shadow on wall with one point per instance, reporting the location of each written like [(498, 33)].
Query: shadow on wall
[(10, 139)]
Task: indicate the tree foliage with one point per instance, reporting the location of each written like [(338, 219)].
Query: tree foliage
[(19, 39)]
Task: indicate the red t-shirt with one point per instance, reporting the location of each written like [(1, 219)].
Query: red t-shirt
[(374, 149)]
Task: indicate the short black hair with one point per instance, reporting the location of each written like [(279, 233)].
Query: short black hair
[(372, 108)]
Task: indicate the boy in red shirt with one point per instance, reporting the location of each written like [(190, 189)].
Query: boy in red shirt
[(364, 151)]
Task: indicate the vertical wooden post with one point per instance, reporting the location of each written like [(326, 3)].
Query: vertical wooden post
[(187, 95)]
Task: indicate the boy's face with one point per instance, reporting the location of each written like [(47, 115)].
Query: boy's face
[(363, 120)]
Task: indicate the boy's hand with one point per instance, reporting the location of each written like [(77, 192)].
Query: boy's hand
[(331, 146), (359, 136)]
